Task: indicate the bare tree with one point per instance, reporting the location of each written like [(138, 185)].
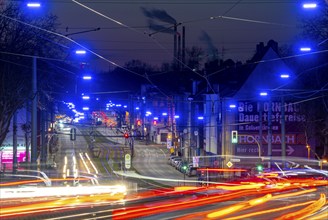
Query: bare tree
[(194, 57), (19, 42), (315, 77)]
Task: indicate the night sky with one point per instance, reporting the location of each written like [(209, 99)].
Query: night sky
[(245, 23)]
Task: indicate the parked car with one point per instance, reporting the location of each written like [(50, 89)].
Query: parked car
[(191, 171), (175, 160), (170, 159)]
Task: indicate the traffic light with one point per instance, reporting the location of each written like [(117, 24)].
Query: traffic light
[(73, 134), (202, 173), (138, 122), (184, 167), (126, 135), (234, 137), (155, 122), (259, 167)]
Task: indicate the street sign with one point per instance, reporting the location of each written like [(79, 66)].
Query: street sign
[(168, 143), (73, 134), (289, 150), (229, 164), (195, 161), (127, 160)]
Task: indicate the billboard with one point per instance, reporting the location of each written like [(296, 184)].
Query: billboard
[(253, 118)]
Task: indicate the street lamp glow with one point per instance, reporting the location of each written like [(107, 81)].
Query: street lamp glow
[(305, 49), (232, 106), (85, 97), (87, 77), (309, 5), (176, 116), (284, 76), (200, 117), (80, 52), (164, 114), (33, 5), (85, 108), (263, 93)]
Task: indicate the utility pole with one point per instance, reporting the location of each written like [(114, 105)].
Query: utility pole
[(283, 131), (27, 131), (270, 131), (15, 165), (261, 125), (34, 113)]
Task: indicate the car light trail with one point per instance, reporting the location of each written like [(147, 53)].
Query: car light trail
[(62, 204), (244, 205), (221, 170), (307, 211), (270, 211), (94, 167), (27, 192), (84, 163)]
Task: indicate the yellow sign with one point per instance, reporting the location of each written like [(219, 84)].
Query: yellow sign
[(172, 150), (229, 164)]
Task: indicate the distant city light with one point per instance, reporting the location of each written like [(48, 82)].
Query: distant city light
[(87, 77), (33, 5), (284, 76), (86, 97), (125, 106), (137, 108), (305, 49), (200, 117), (309, 5), (164, 114), (176, 116), (85, 108), (80, 52), (263, 94)]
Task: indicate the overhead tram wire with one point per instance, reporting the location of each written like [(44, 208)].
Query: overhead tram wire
[(182, 2), (197, 20), (73, 41), (165, 49), (126, 26)]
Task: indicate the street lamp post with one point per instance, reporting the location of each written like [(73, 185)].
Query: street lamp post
[(34, 100), (34, 113)]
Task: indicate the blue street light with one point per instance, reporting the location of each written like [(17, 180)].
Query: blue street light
[(33, 4), (87, 77), (284, 76), (310, 5), (80, 52), (305, 49)]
